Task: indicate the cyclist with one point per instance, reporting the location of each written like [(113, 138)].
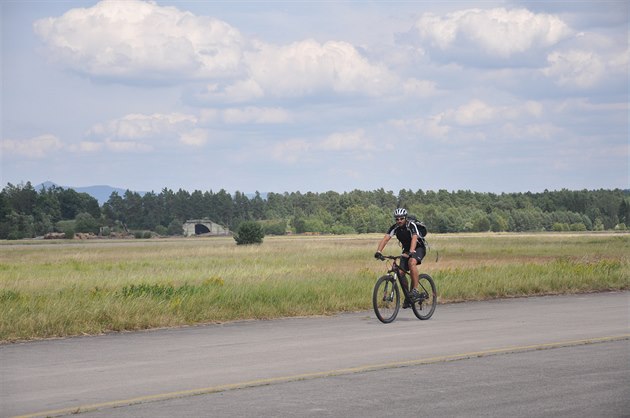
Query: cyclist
[(413, 249)]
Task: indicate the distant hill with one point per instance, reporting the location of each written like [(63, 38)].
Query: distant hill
[(100, 193)]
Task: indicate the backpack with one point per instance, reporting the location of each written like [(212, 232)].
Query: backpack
[(422, 229)]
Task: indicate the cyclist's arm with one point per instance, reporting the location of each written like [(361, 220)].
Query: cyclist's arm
[(414, 237), (414, 243), (383, 243)]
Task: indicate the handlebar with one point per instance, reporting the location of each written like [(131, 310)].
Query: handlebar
[(390, 257)]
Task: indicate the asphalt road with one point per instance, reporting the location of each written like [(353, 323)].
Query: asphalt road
[(543, 356)]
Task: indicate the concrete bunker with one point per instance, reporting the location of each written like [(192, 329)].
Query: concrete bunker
[(197, 227)]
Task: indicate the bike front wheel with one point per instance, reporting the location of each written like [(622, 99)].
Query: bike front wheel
[(386, 299), (424, 308)]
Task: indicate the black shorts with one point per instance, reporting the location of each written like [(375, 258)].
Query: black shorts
[(420, 253)]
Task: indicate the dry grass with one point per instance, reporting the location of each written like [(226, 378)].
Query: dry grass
[(58, 289)]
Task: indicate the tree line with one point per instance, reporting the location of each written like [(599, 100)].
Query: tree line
[(26, 212)]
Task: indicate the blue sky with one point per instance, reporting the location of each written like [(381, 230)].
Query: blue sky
[(493, 96)]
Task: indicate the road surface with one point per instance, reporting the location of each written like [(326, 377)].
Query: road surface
[(519, 357)]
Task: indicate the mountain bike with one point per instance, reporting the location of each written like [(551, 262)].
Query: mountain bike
[(386, 296)]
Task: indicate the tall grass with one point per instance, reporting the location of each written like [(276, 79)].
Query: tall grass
[(60, 289)]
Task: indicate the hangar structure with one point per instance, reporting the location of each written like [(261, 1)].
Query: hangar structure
[(195, 227)]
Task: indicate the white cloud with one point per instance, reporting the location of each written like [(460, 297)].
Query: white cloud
[(138, 126), (420, 88), (246, 115), (196, 137), (127, 146), (290, 151), (475, 116), (38, 147), (240, 91), (475, 112), (498, 32), (346, 141), (143, 133), (545, 131), (355, 145), (430, 126), (260, 115), (137, 39), (306, 67), (581, 69), (88, 147)]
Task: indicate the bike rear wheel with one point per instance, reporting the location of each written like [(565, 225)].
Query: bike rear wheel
[(386, 299), (424, 308)]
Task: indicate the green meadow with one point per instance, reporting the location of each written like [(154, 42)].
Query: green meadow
[(60, 288)]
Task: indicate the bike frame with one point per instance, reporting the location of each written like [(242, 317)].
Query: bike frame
[(401, 275)]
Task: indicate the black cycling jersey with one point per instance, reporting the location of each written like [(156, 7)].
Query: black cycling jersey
[(404, 234)]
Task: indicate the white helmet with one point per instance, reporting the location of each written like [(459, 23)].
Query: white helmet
[(400, 212)]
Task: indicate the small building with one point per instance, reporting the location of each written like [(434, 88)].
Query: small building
[(194, 227)]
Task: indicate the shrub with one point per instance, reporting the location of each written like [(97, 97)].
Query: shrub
[(578, 226), (339, 229), (249, 232), (85, 222), (161, 230), (67, 227), (560, 226), (68, 232), (142, 234)]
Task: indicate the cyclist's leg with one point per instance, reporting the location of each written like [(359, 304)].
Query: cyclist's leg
[(413, 266), (413, 269)]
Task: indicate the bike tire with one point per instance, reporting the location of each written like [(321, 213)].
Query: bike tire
[(386, 299), (425, 308)]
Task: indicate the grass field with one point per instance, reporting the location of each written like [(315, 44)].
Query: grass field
[(52, 289)]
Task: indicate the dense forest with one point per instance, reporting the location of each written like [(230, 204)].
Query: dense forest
[(26, 212)]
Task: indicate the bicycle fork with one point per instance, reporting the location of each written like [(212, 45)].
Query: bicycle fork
[(388, 291)]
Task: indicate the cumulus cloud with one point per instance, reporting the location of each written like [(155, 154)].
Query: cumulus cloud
[(37, 147), (137, 126), (245, 115), (143, 133), (87, 147), (260, 115), (495, 32), (196, 137), (354, 144), (430, 126), (290, 151), (576, 68), (473, 115), (137, 39), (346, 141), (238, 92), (475, 112), (308, 66), (127, 146)]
